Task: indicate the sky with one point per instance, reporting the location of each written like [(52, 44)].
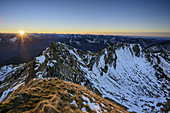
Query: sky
[(121, 17)]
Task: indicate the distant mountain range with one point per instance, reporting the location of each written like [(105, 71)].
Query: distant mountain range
[(130, 75), (15, 50)]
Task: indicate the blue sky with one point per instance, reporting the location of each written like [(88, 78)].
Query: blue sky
[(85, 16)]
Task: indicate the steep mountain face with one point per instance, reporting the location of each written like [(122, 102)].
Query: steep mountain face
[(56, 96), (123, 73)]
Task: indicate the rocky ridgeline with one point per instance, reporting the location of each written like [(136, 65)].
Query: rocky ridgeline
[(123, 73)]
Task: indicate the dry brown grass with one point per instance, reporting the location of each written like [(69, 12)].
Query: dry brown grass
[(53, 95)]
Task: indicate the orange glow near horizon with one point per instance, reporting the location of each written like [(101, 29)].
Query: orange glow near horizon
[(118, 33)]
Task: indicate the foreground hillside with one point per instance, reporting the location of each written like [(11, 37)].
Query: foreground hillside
[(56, 96), (124, 73)]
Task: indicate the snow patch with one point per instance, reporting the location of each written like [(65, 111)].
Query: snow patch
[(6, 92), (93, 106), (51, 64), (83, 109), (74, 102), (16, 87), (8, 70), (40, 59), (92, 41), (78, 42), (13, 39)]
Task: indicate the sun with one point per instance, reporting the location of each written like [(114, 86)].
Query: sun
[(21, 32)]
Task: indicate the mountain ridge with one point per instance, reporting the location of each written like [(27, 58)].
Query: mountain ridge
[(119, 72)]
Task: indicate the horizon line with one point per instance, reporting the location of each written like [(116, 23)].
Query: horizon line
[(144, 34)]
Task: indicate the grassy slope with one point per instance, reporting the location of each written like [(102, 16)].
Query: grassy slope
[(56, 96)]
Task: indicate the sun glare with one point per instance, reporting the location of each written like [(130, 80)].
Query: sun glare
[(21, 32)]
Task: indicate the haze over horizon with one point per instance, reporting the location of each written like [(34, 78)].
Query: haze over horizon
[(112, 17)]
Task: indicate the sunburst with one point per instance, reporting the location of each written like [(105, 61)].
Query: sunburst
[(21, 32)]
